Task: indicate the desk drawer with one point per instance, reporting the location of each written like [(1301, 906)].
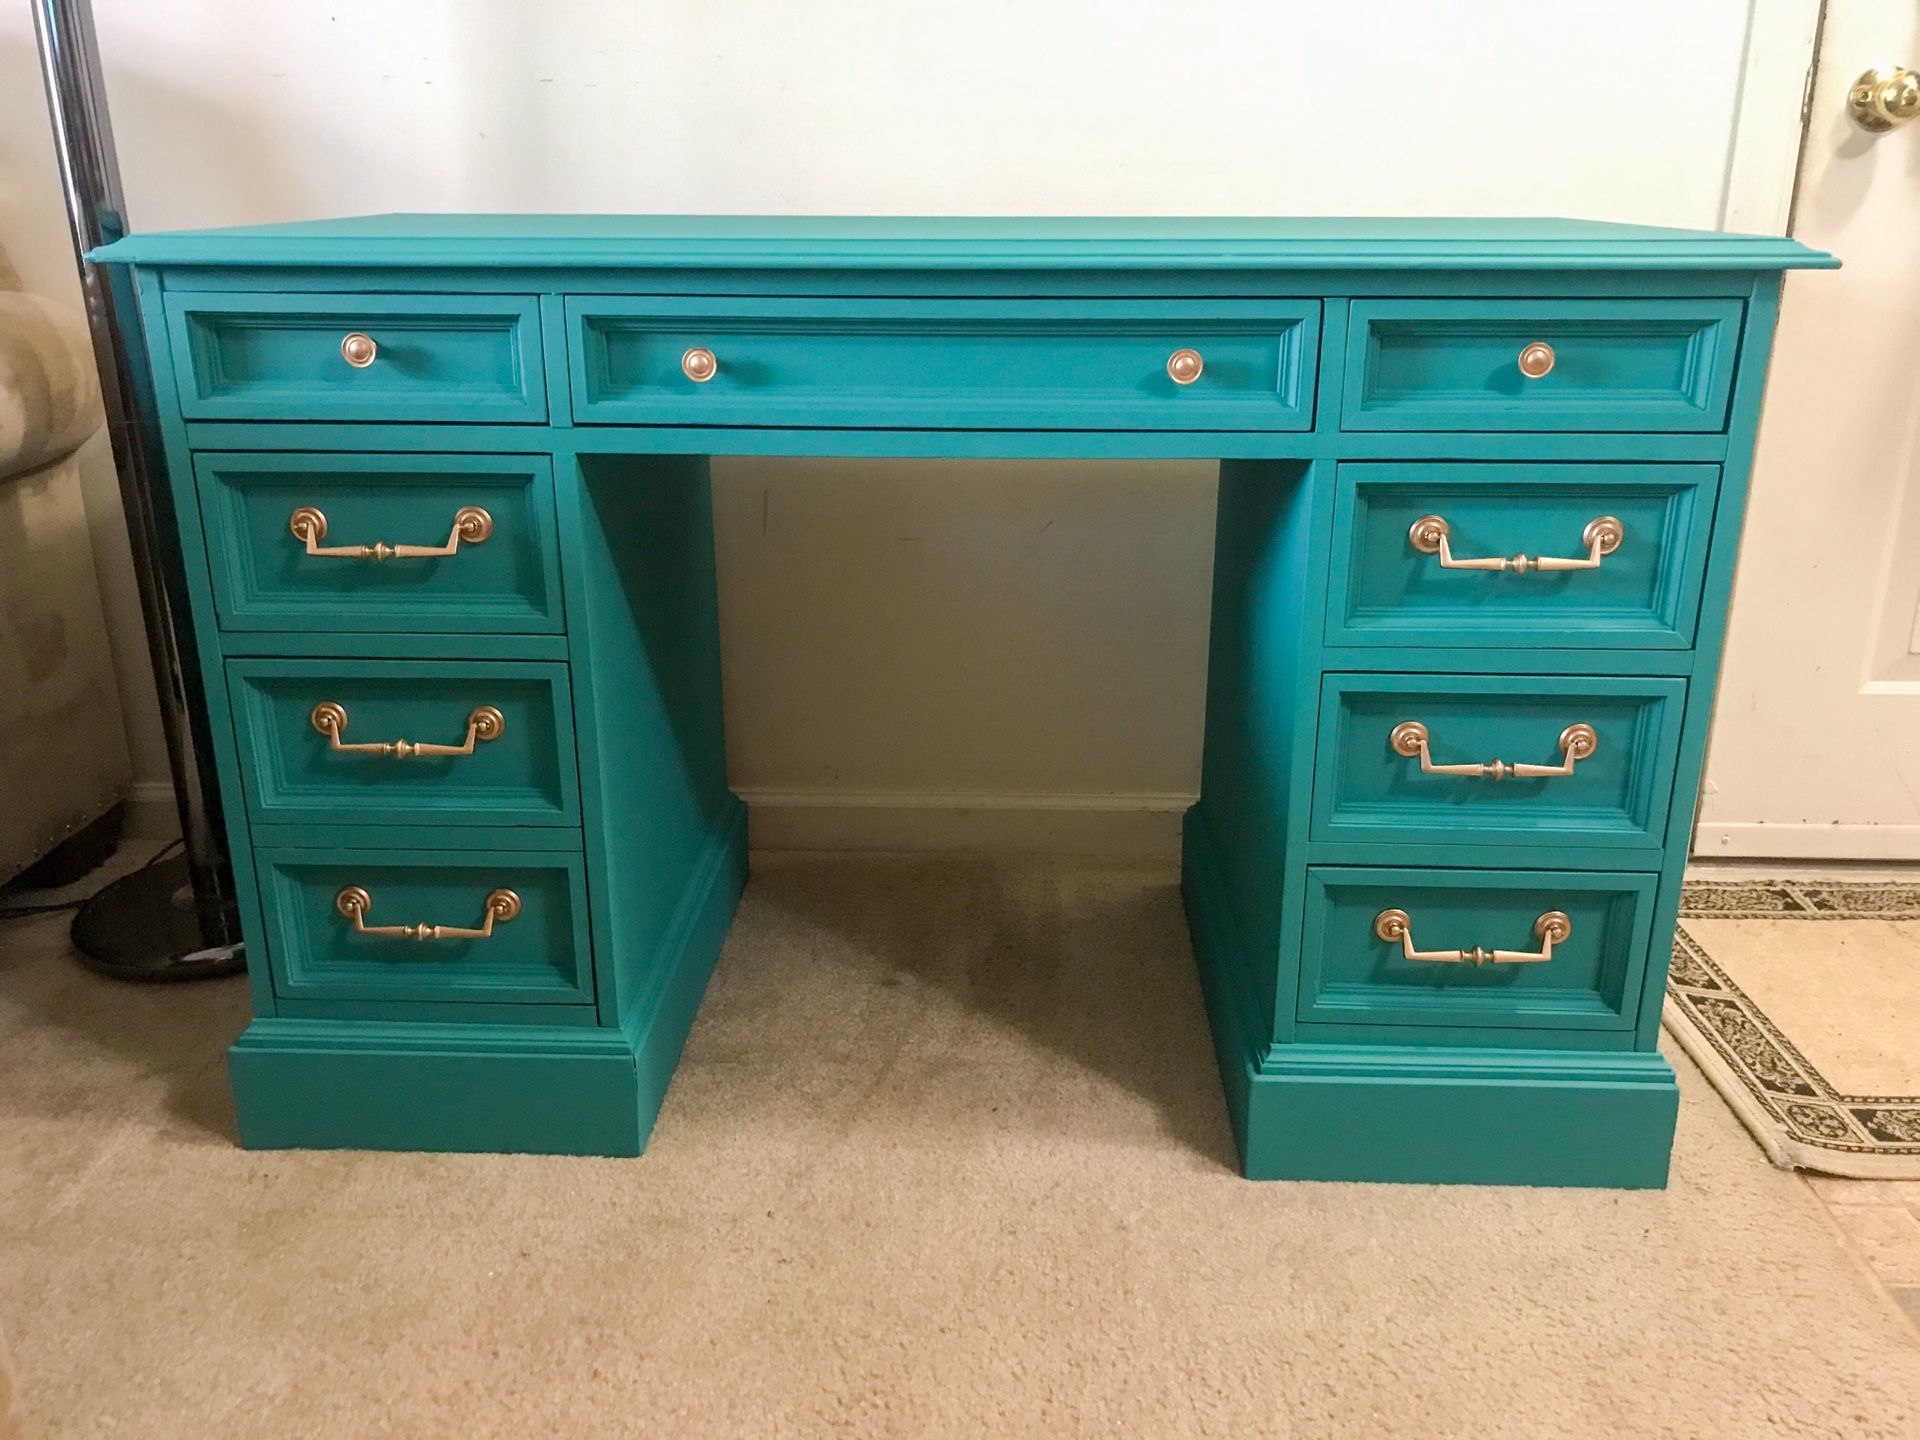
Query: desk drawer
[(357, 357), (534, 950), (1617, 739), (944, 364), (499, 572), (1355, 969), (301, 726), (1540, 364), (1399, 578)]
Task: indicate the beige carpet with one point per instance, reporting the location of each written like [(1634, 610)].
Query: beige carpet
[(946, 1156)]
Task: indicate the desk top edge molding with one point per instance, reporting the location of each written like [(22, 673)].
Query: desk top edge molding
[(966, 243)]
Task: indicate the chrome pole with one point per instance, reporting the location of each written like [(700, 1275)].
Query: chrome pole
[(96, 212)]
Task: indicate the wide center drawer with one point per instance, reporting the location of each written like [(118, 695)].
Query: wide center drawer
[(945, 364), (352, 542), (1462, 950), (1594, 365), (357, 357), (1519, 554), (1496, 759), (427, 925), (405, 742)]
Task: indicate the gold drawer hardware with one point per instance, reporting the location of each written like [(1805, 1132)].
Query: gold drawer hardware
[(1430, 535), (358, 350), (1577, 742), (1551, 928), (1536, 360), (354, 903), (329, 717), (1882, 99), (1184, 366), (471, 525), (699, 364)]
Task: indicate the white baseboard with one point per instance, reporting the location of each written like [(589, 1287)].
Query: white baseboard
[(1130, 825), (1759, 840), (152, 813)]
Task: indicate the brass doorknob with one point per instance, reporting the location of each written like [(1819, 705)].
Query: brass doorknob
[(1184, 366), (699, 364), (1536, 360), (358, 350), (1882, 99)]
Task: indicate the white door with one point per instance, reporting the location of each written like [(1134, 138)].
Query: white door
[(1816, 742)]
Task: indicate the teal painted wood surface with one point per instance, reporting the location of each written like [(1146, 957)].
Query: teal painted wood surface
[(1645, 593), (1358, 376), (1352, 976), (264, 579), (996, 364), (935, 243), (277, 356), (1617, 794), (542, 956), (521, 772), (1619, 364)]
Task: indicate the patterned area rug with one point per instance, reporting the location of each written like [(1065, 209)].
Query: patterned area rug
[(1839, 964)]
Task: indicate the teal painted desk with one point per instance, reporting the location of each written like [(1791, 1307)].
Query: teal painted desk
[(441, 485)]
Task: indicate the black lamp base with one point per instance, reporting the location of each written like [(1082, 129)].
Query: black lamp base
[(142, 927)]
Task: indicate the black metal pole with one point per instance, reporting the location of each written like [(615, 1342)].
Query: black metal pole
[(90, 177)]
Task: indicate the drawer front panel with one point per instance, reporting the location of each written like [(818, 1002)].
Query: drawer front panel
[(537, 955), (945, 364), (264, 577), (1352, 975), (296, 722), (1455, 365), (1393, 586), (1384, 738), (285, 357)]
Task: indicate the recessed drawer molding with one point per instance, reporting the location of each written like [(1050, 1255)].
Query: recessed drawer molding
[(409, 925), (1497, 950), (1470, 554), (945, 364), (267, 515), (472, 358), (1569, 365), (1410, 759), (405, 742)]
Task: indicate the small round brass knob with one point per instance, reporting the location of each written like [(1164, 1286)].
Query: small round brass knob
[(472, 524), (358, 350), (487, 722), (1577, 742), (1536, 360), (1184, 366), (329, 717), (307, 524), (503, 905), (352, 901), (1882, 99), (1553, 927), (699, 364), (1605, 532)]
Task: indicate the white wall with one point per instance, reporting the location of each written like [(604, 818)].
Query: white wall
[(962, 635)]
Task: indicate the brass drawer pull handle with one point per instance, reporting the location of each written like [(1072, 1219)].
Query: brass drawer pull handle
[(354, 903), (1551, 928), (1536, 360), (699, 365), (1577, 742), (1430, 535), (358, 350), (329, 717), (1184, 366), (471, 526)]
